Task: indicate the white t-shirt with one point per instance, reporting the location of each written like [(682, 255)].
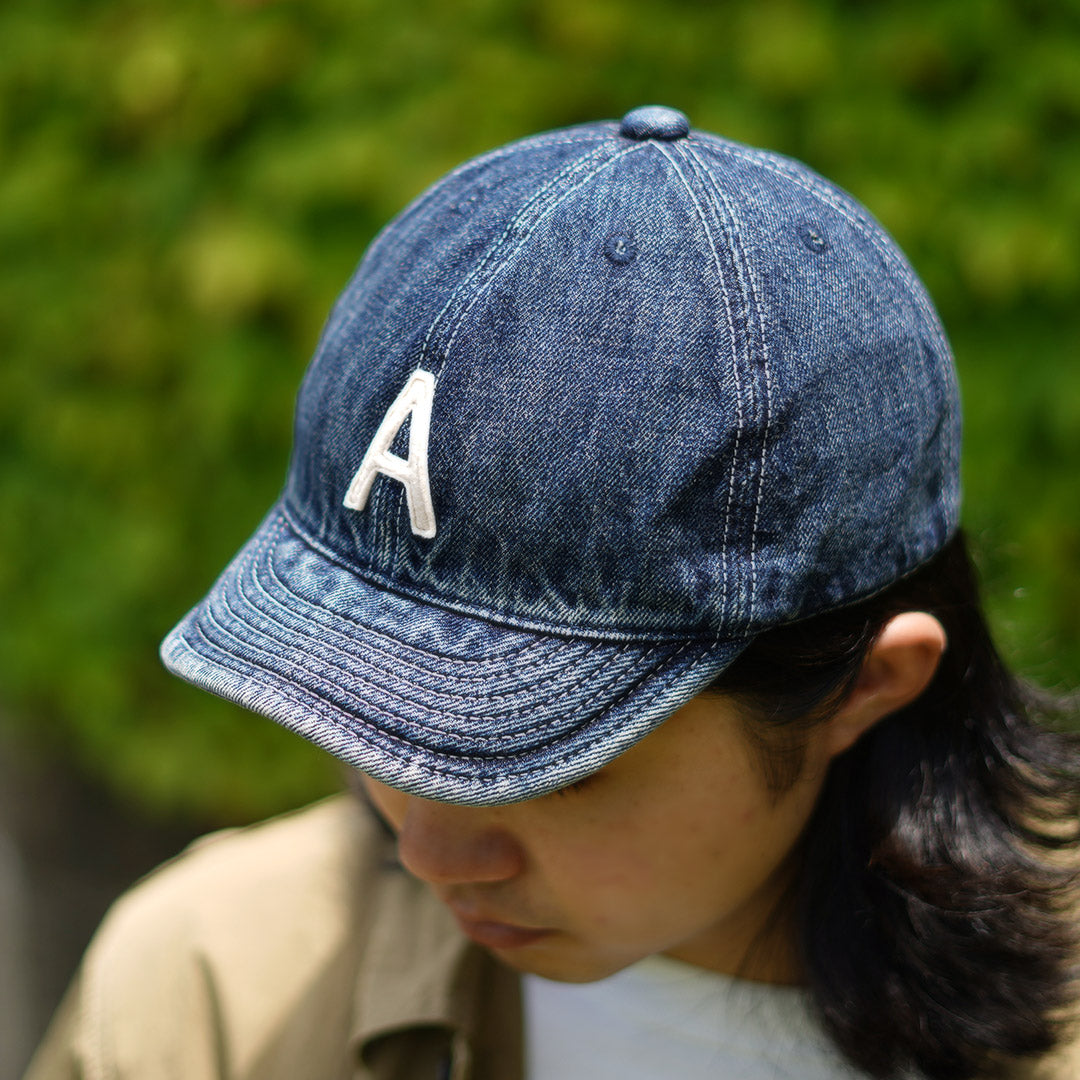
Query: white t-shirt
[(662, 1018)]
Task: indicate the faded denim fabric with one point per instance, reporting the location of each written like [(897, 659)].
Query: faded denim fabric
[(684, 390)]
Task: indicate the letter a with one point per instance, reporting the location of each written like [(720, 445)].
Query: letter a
[(415, 400)]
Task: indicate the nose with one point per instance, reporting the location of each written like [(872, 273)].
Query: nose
[(449, 845)]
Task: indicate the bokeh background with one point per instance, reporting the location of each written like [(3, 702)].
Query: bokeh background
[(186, 184)]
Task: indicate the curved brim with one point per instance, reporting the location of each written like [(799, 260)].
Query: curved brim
[(429, 700)]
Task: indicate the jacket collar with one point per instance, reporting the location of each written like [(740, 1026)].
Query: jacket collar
[(422, 982)]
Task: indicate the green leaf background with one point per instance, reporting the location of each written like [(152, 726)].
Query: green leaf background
[(185, 186)]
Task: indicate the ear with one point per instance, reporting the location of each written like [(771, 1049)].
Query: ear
[(896, 670)]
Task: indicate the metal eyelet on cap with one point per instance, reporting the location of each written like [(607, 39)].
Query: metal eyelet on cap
[(654, 122)]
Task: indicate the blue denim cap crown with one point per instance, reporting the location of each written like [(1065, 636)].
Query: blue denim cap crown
[(595, 410)]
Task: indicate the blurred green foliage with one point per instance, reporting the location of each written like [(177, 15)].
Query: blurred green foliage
[(185, 185)]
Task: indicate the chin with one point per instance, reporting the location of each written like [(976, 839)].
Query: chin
[(564, 965)]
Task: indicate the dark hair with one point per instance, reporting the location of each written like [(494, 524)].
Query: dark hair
[(934, 884)]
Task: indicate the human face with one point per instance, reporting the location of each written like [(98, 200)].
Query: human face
[(675, 847)]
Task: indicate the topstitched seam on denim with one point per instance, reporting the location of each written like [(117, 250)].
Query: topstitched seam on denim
[(397, 694), (861, 222), (508, 621), (544, 683), (264, 553), (572, 752), (482, 668), (285, 523), (566, 175), (565, 172), (343, 694), (823, 192), (421, 200), (867, 228), (739, 422), (473, 164), (306, 699), (495, 155), (421, 698), (359, 663), (575, 184), (348, 738), (750, 289), (335, 690), (553, 139), (729, 231), (872, 232)]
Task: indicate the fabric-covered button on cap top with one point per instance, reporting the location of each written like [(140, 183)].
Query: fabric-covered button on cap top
[(654, 122)]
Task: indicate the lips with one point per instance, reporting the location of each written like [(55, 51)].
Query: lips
[(495, 934)]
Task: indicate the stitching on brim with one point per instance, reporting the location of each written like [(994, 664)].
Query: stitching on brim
[(481, 668), (539, 638), (356, 674), (503, 621), (361, 703), (339, 692), (306, 699)]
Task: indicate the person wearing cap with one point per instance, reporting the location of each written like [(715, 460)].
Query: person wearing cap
[(619, 557)]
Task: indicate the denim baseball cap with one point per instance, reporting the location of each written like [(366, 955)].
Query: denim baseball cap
[(595, 410)]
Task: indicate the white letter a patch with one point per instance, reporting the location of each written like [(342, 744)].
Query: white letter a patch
[(415, 400)]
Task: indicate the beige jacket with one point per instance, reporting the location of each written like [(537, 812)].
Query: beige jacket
[(294, 950)]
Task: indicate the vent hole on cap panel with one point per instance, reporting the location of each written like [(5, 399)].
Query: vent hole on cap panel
[(620, 249), (813, 237)]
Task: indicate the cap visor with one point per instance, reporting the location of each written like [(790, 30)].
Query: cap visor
[(429, 700)]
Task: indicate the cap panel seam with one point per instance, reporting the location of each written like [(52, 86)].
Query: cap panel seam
[(742, 266), (860, 219), (560, 137), (575, 184), (426, 196), (566, 172), (868, 228), (740, 423)]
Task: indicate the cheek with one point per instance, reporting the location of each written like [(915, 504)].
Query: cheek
[(388, 803), (595, 858), (703, 851), (632, 856)]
